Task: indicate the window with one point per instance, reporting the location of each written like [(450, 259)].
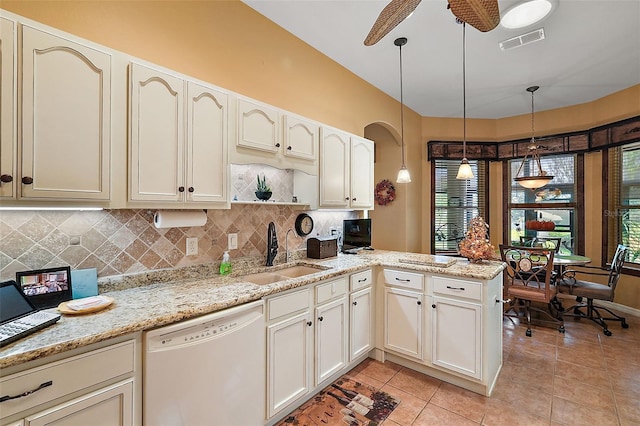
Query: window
[(551, 211), (622, 209), (455, 203)]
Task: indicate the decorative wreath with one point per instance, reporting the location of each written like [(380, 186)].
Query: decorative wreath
[(385, 192)]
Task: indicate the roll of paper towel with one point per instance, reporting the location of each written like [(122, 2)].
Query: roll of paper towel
[(179, 219)]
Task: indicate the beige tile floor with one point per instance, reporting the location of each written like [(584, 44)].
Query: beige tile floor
[(581, 377)]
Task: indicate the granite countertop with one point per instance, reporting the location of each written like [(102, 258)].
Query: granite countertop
[(150, 300)]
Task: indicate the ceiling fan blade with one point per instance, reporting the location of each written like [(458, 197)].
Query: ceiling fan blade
[(483, 15), (389, 18)]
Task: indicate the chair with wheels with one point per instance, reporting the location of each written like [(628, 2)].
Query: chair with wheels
[(528, 281), (552, 243), (568, 284)]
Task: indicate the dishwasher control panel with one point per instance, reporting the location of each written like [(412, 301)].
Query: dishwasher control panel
[(195, 334)]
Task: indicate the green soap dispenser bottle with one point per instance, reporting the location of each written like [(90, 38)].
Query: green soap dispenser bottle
[(225, 266)]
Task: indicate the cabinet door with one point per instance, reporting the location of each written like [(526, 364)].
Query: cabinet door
[(289, 361), (7, 109), (362, 185), (207, 115), (66, 118), (403, 321), (331, 338), (300, 138), (109, 406), (157, 136), (360, 322), (334, 168), (258, 126), (457, 337)]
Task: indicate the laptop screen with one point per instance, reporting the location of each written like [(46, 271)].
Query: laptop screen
[(13, 304)]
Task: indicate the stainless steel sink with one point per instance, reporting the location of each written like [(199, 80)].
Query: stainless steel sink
[(270, 277)]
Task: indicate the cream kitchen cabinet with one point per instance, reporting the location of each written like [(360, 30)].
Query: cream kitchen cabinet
[(289, 354), (65, 119), (258, 126), (346, 170), (360, 314), (331, 338), (403, 312), (300, 138), (8, 87), (96, 387), (173, 161)]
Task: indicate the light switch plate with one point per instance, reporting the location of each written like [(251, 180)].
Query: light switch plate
[(232, 241)]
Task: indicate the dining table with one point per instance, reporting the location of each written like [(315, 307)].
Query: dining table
[(561, 261)]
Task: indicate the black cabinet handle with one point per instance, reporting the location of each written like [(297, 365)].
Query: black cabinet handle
[(355, 303), (455, 288), (289, 148), (347, 198), (27, 180), (181, 189), (433, 306), (309, 323), (278, 145), (364, 280), (27, 393), (354, 199), (191, 189), (419, 303), (320, 318), (402, 281), (6, 178)]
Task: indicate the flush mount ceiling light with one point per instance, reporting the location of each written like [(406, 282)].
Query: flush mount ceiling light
[(527, 13), (532, 182), (464, 171), (403, 174)]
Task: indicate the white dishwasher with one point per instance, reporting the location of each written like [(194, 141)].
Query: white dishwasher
[(209, 370)]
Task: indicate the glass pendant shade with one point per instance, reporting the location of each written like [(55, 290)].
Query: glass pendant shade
[(533, 182), (403, 175), (464, 171)]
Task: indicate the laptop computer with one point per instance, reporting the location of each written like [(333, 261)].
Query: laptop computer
[(18, 316)]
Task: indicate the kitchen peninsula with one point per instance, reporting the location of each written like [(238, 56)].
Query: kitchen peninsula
[(454, 309)]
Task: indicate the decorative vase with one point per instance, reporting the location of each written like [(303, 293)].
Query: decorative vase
[(263, 195)]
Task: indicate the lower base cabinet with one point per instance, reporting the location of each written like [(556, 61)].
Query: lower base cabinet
[(110, 406), (97, 386), (403, 318)]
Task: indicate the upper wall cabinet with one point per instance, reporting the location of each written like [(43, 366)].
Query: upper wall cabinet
[(267, 135), (66, 119), (163, 167), (7, 109), (300, 138), (346, 170)]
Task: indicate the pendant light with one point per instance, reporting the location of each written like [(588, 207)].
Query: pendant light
[(403, 174), (533, 182), (464, 171)]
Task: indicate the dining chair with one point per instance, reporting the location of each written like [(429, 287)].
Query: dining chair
[(552, 243), (526, 241), (528, 281), (568, 284)]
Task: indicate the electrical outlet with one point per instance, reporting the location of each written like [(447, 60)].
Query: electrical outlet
[(232, 241), (192, 246)]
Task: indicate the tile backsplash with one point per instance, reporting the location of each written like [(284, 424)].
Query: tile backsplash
[(119, 242)]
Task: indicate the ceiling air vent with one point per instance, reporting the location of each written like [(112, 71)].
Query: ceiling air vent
[(522, 39)]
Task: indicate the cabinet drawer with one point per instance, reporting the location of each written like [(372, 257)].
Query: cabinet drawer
[(287, 304), (404, 279), (361, 279), (331, 290), (458, 288), (63, 377)]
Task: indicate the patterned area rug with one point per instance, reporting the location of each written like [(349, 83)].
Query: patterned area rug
[(345, 401)]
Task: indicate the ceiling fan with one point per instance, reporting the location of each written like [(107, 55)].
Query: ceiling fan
[(480, 14)]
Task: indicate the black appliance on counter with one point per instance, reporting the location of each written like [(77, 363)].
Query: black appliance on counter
[(356, 235)]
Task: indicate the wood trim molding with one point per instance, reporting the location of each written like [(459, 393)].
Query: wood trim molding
[(598, 138)]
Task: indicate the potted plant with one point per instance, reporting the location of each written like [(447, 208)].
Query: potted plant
[(263, 191)]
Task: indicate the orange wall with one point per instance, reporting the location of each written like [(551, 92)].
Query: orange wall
[(230, 45)]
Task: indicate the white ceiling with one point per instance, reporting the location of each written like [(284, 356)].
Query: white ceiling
[(591, 49)]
